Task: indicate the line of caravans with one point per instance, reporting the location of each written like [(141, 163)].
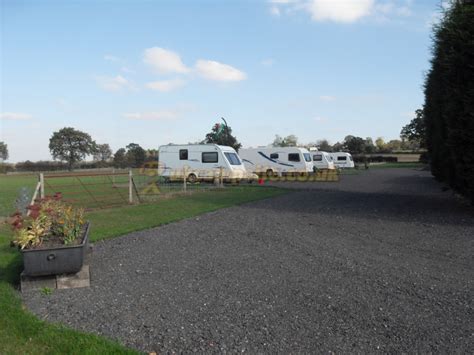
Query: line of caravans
[(201, 162)]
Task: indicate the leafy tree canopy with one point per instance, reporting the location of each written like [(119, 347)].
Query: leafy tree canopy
[(416, 129), (221, 134), (288, 141), (103, 153), (135, 155), (3, 151), (71, 145)]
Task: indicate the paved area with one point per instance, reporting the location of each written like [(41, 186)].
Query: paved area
[(380, 262)]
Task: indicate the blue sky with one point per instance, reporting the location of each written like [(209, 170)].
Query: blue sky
[(155, 72)]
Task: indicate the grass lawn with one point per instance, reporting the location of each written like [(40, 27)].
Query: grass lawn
[(397, 165), (10, 185), (23, 333)]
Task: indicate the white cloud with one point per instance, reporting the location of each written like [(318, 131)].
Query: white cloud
[(164, 61), (327, 98), (344, 11), (126, 70), (15, 116), (275, 11), (213, 70), (111, 58), (267, 62), (162, 115), (115, 83), (166, 85), (339, 10)]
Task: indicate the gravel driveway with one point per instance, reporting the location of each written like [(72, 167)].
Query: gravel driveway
[(379, 262)]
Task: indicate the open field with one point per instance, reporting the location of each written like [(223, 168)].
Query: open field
[(92, 191), (105, 190), (380, 262), (23, 333)]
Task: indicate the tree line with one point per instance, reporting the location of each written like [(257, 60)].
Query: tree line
[(445, 124), (354, 145), (69, 147)]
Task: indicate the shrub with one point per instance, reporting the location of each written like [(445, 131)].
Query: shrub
[(50, 219)]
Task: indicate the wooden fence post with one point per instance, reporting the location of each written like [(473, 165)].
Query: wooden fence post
[(130, 187), (41, 180)]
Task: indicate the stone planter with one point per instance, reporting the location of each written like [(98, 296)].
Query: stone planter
[(58, 260)]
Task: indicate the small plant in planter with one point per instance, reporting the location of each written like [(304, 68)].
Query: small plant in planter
[(53, 237)]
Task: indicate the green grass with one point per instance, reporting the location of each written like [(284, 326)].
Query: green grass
[(397, 165), (9, 188), (22, 333)]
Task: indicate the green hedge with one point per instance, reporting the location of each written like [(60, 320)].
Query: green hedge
[(449, 99)]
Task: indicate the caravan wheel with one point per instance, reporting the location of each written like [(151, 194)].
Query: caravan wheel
[(192, 178), (269, 173)]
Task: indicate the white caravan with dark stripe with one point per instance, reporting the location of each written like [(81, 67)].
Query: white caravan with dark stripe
[(277, 160), (200, 162)]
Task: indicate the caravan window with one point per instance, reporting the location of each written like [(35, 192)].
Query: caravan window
[(294, 157), (350, 157), (274, 156), (317, 157), (307, 157), (233, 158), (183, 154), (341, 158), (209, 157)]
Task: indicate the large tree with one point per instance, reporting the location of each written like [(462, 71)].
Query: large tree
[(288, 141), (221, 134), (380, 144), (136, 155), (324, 145), (355, 145), (3, 151), (103, 153), (369, 146), (71, 145), (120, 160), (415, 131)]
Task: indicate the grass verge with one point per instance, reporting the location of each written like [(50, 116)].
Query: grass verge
[(22, 333), (397, 165)]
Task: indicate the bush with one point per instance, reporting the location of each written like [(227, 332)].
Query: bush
[(6, 168), (449, 100), (374, 159)]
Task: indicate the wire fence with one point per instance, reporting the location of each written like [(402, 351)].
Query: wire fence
[(105, 189), (90, 191)]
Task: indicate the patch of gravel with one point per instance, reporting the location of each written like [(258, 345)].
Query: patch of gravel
[(380, 262)]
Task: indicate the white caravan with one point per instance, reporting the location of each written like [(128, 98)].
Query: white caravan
[(342, 160), (277, 160), (322, 160), (199, 162)]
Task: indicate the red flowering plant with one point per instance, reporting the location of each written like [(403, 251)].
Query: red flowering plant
[(49, 220)]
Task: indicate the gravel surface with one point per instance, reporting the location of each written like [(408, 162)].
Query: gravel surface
[(379, 262)]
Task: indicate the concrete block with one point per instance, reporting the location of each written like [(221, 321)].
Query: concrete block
[(80, 279)]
